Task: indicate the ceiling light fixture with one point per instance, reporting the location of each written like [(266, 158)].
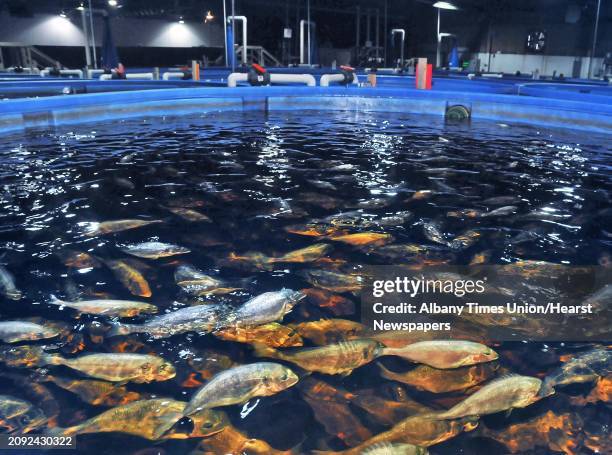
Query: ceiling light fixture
[(444, 5), (209, 17), (112, 3), (181, 20)]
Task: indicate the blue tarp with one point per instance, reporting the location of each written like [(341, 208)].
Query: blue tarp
[(109, 58), (453, 58), (231, 54)]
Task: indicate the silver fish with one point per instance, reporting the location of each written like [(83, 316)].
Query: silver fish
[(15, 331), (201, 319), (154, 250), (267, 307)]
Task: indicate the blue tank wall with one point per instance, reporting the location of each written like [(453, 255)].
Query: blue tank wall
[(572, 109)]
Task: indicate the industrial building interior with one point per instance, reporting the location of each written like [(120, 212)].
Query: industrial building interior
[(306, 227), (545, 37)]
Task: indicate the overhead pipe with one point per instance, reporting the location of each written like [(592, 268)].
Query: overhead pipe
[(307, 79), (594, 48), (401, 32), (225, 34), (302, 24), (377, 41), (357, 27), (86, 36), (243, 19), (309, 20), (93, 35), (233, 21)]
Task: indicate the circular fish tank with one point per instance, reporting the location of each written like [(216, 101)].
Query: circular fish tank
[(183, 270)]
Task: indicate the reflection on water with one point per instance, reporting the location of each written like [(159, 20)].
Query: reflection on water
[(209, 213)]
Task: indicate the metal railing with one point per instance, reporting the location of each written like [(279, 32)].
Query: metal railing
[(257, 54)]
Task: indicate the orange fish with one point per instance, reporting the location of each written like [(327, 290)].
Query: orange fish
[(131, 278), (363, 239)]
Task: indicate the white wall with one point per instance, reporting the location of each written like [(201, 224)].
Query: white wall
[(527, 63), (52, 30)]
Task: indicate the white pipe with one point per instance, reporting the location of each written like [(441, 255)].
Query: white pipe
[(108, 77), (233, 78), (307, 79), (402, 32), (25, 70), (79, 73), (172, 75), (91, 73), (244, 35), (327, 78), (302, 24)]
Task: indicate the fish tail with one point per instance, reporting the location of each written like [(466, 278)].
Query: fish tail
[(261, 350), (385, 372), (119, 329), (62, 431), (52, 359), (53, 300)]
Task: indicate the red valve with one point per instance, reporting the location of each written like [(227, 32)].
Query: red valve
[(347, 68), (260, 69)]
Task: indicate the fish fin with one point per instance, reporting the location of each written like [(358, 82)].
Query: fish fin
[(261, 350), (508, 412), (345, 374)]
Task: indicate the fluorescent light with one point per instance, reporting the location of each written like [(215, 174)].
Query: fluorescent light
[(444, 5), (112, 2), (63, 14), (81, 7), (181, 20)]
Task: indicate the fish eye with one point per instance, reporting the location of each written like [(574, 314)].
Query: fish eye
[(146, 366), (207, 424), (284, 377)]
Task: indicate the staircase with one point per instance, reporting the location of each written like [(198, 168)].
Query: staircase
[(257, 54), (19, 54)]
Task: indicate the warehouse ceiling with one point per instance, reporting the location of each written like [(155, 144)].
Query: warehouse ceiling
[(195, 8)]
